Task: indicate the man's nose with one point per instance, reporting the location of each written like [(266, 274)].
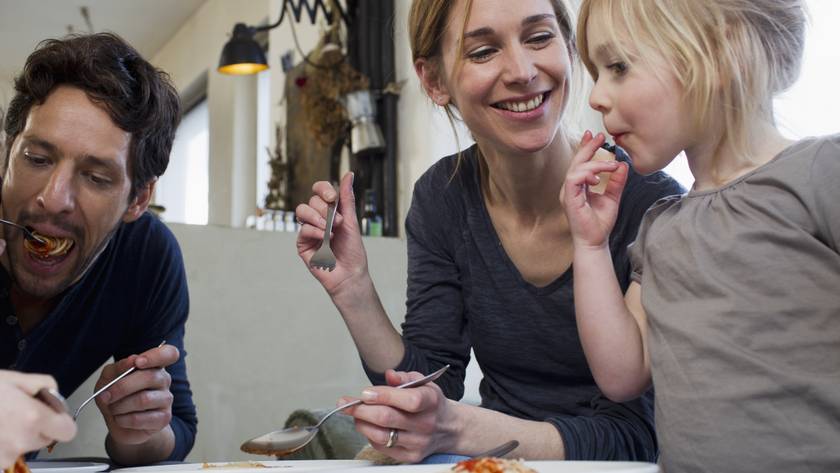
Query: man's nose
[(58, 194)]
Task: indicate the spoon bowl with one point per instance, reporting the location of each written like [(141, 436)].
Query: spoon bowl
[(283, 442)]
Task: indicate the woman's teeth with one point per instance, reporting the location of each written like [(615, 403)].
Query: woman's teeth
[(526, 106)]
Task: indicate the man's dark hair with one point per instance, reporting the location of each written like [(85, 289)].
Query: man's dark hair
[(139, 98)]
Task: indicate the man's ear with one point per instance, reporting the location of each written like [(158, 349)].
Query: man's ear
[(427, 72), (140, 202)]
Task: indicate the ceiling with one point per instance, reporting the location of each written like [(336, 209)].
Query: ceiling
[(146, 24)]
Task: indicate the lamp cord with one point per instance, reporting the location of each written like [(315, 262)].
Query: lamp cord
[(294, 31)]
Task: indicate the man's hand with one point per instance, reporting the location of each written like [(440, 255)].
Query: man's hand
[(138, 408)]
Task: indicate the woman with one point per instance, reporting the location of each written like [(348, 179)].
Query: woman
[(489, 255)]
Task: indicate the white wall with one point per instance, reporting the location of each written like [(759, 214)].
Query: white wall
[(263, 339)]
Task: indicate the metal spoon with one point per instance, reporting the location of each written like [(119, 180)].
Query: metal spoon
[(499, 451), (286, 441), (26, 232)]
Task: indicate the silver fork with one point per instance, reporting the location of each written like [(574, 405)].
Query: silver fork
[(324, 257), (26, 232)]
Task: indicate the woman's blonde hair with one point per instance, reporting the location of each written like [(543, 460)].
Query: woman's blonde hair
[(427, 21), (730, 56)]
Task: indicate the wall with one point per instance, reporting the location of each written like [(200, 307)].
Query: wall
[(263, 339), (194, 51)]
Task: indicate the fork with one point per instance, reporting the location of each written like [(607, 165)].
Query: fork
[(26, 232), (324, 257)]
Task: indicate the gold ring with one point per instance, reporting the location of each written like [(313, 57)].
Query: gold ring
[(393, 435)]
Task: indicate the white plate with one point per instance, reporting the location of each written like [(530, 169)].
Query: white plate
[(245, 466), (539, 466), (65, 467)]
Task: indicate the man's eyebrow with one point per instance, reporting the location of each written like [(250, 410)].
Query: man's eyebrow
[(96, 161), (40, 142), (486, 30)]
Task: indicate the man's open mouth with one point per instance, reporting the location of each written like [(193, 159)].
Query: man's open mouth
[(49, 246)]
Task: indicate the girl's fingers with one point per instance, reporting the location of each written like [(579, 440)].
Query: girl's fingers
[(617, 180), (588, 146), (587, 173)]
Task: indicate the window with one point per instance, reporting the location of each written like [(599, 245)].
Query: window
[(183, 189), (810, 107)]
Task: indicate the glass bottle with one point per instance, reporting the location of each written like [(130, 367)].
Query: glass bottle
[(371, 220)]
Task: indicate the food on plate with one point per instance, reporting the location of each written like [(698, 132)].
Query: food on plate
[(18, 467), (491, 465), (49, 246), (245, 464)]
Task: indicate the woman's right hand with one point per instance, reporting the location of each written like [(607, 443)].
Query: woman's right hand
[(420, 418), (346, 240), (591, 216), (27, 424)]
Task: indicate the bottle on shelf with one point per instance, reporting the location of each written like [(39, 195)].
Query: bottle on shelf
[(371, 220)]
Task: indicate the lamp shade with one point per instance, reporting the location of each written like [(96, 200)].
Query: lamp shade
[(241, 54)]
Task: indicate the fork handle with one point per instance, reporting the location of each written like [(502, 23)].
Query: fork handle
[(331, 210)]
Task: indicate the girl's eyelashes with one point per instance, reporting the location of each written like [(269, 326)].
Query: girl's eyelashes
[(618, 68)]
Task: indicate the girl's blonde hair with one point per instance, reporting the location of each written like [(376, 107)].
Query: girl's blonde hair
[(730, 56), (427, 21)]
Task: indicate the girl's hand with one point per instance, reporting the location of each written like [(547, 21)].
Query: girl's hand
[(346, 240), (417, 415), (592, 216)]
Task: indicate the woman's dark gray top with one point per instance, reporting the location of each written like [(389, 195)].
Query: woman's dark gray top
[(465, 292)]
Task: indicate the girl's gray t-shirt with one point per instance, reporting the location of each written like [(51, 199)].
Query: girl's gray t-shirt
[(741, 286)]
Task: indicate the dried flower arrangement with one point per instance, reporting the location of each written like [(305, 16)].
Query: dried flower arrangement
[(328, 77)]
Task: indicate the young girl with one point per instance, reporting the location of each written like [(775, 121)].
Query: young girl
[(733, 313)]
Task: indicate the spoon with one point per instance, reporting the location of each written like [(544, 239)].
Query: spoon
[(499, 451), (26, 232), (292, 439)]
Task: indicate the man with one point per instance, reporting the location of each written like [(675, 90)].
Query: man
[(88, 132)]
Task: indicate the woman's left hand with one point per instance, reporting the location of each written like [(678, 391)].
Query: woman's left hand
[(418, 417)]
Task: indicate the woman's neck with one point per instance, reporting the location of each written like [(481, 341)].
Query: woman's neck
[(526, 184), (716, 162)]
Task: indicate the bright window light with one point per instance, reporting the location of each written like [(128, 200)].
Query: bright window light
[(183, 188), (810, 107)]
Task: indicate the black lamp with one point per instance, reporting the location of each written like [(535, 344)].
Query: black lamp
[(242, 55)]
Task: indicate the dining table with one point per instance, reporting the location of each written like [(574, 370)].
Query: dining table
[(95, 465)]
